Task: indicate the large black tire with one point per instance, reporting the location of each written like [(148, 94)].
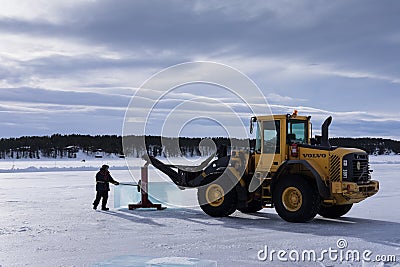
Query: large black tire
[(296, 199), (253, 206), (217, 199), (334, 212)]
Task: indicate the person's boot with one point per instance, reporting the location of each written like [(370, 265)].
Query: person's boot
[(94, 207), (104, 208)]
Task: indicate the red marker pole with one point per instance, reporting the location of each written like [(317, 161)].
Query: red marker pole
[(145, 185)]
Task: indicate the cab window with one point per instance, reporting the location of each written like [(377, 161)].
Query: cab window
[(299, 131), (271, 134)]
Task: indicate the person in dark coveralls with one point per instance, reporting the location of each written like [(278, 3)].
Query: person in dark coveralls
[(103, 178)]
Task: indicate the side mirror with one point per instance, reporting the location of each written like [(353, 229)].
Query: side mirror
[(252, 120)]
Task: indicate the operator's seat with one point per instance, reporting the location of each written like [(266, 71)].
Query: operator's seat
[(291, 138)]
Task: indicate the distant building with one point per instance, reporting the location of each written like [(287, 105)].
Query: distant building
[(98, 154)]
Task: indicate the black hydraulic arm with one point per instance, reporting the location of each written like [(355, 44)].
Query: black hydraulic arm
[(167, 169)]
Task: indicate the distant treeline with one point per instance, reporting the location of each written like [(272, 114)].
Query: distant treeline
[(377, 146), (68, 146), (58, 146)]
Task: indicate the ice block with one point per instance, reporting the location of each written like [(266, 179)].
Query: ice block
[(125, 194), (143, 261), (165, 193)]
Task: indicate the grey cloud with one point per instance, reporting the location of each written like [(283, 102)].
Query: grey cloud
[(70, 67), (41, 112), (333, 32), (44, 124), (37, 95), (338, 36), (33, 111), (313, 32)]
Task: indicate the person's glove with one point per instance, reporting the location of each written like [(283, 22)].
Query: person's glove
[(116, 183)]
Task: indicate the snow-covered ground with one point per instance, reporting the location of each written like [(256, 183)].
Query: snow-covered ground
[(46, 219)]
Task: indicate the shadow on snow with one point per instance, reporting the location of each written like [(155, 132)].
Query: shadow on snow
[(375, 231)]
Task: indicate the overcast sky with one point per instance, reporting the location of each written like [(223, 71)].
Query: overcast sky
[(73, 66)]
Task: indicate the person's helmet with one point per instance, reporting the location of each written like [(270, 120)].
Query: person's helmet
[(105, 167)]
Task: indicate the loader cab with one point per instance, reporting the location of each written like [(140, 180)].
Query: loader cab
[(274, 136)]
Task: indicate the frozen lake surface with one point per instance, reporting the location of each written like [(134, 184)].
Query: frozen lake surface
[(47, 219)]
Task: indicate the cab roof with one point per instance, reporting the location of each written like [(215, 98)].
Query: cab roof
[(282, 117)]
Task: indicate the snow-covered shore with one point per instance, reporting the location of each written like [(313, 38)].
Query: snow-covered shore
[(92, 164)]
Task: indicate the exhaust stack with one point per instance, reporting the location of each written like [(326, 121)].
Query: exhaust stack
[(325, 132)]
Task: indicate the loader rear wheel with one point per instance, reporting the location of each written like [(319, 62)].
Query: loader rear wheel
[(215, 201), (296, 199), (334, 212)]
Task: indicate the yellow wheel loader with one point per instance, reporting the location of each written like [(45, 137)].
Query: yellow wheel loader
[(288, 170)]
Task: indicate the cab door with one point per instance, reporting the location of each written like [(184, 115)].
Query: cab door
[(271, 142)]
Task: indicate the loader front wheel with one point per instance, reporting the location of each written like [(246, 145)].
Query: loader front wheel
[(215, 201), (296, 199), (334, 212)]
